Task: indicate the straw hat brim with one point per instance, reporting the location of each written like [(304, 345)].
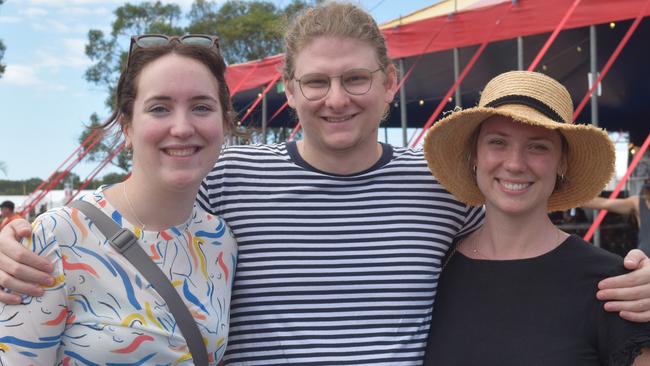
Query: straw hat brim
[(590, 159)]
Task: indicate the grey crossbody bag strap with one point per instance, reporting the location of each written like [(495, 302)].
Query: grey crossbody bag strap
[(125, 242)]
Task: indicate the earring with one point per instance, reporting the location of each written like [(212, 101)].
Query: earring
[(474, 169)]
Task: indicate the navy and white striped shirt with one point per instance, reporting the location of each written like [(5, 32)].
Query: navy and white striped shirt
[(332, 270)]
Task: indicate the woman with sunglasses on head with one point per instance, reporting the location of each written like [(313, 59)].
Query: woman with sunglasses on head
[(519, 291), (173, 108)]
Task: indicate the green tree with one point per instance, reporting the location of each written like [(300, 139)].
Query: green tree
[(19, 187), (2, 51), (112, 178), (104, 147), (247, 30), (106, 51), (71, 178)]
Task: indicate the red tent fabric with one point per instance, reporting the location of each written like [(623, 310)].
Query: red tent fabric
[(526, 17), (252, 74)]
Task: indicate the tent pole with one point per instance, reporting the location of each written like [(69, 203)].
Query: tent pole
[(264, 118), (593, 77), (457, 95), (594, 73), (402, 104), (520, 53)]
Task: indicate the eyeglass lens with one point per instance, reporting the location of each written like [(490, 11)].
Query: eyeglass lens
[(355, 82), (152, 40), (197, 40)]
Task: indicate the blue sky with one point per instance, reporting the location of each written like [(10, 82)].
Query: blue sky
[(44, 99)]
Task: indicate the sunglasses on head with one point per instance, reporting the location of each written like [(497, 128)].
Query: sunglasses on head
[(154, 40)]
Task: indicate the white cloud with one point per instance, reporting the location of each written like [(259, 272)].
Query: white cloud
[(76, 53), (85, 11), (34, 12), (23, 75), (9, 20), (69, 53), (185, 4), (63, 3), (29, 76), (58, 26)]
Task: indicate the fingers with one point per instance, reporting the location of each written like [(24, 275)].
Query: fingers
[(13, 254), (17, 262), (629, 294), (636, 261), (18, 228), (632, 279), (632, 306), (18, 286), (7, 298), (632, 310), (634, 292), (21, 278), (635, 258), (636, 317)]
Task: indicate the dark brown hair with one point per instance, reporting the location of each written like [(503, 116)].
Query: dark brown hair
[(127, 87)]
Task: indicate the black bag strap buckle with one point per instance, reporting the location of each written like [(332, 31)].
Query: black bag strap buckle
[(123, 240)]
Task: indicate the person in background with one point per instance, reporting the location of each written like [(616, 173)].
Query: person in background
[(7, 213), (519, 291), (637, 205), (340, 237), (172, 107)]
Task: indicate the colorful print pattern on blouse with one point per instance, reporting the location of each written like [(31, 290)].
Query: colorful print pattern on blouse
[(101, 311)]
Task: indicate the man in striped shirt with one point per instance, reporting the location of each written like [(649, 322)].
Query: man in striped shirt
[(340, 237)]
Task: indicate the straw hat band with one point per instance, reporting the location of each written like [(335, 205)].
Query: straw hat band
[(528, 101)]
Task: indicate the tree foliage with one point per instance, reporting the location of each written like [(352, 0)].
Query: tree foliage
[(109, 140), (27, 186), (2, 52), (247, 30), (19, 187), (107, 52)]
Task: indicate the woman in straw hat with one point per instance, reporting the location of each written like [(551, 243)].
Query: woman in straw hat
[(519, 291)]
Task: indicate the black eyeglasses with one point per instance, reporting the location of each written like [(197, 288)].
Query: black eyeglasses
[(355, 82), (154, 40)]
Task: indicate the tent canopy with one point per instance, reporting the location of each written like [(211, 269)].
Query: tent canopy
[(427, 41)]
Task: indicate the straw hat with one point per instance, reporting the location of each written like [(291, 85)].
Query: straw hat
[(535, 99)]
